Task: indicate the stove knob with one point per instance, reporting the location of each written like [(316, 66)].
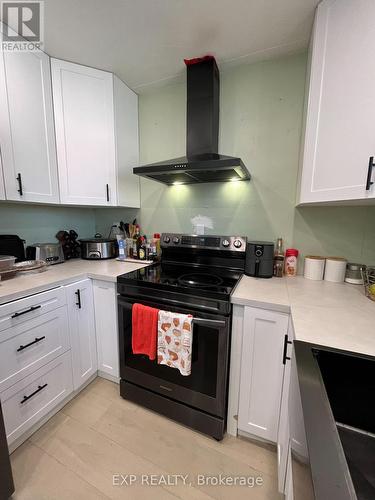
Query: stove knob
[(226, 243), (176, 240), (167, 239), (237, 243)]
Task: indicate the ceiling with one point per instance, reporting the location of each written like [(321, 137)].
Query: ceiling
[(145, 41)]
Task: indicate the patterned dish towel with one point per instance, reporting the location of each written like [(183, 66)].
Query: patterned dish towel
[(175, 340)]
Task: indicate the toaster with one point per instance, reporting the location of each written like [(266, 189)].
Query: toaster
[(52, 253)]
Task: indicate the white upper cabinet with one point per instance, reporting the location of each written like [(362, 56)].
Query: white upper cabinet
[(339, 137), (27, 135), (83, 103), (92, 170)]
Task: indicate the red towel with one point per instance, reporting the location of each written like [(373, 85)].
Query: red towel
[(144, 330)]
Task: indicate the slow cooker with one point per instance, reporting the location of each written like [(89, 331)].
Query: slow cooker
[(99, 248)]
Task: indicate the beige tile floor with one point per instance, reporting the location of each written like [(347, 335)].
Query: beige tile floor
[(76, 454)]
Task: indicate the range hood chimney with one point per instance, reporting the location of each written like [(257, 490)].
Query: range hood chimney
[(202, 162)]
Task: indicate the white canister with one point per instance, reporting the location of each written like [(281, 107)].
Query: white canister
[(335, 269), (314, 267)]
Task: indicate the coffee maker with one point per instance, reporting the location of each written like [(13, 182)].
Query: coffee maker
[(259, 259)]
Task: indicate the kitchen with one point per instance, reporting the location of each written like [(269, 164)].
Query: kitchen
[(244, 417)]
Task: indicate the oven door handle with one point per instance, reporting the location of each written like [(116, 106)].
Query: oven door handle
[(209, 322)]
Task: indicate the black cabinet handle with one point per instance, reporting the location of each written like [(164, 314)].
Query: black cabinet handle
[(78, 303), (22, 347), (285, 351), (40, 388), (107, 191), (19, 180), (371, 165), (32, 308)]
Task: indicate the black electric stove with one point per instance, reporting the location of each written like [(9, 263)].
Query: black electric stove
[(196, 276)]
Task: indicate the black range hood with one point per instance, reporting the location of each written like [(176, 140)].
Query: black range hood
[(202, 162)]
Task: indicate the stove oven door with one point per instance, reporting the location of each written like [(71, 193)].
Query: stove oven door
[(206, 387)]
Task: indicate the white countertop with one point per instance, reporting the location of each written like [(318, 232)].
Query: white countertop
[(331, 314), (61, 274)]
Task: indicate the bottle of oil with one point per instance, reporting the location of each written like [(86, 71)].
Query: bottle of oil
[(141, 248), (278, 260)]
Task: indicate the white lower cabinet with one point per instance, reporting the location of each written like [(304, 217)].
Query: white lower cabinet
[(262, 372), (29, 345), (49, 350), (30, 399), (283, 434), (105, 300), (82, 331)]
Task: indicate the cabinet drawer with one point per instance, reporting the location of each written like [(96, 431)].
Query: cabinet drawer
[(26, 402), (22, 310), (32, 344)]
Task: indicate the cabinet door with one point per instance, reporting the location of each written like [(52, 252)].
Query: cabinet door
[(105, 300), (82, 331), (84, 120), (127, 143), (6, 477), (262, 372), (339, 135), (2, 186), (283, 434), (27, 134), (29, 400)]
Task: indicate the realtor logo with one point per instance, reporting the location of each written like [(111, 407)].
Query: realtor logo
[(22, 25)]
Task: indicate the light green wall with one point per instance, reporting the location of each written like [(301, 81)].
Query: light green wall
[(40, 223), (105, 217), (260, 121)]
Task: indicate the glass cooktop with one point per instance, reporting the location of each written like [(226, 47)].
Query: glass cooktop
[(184, 278)]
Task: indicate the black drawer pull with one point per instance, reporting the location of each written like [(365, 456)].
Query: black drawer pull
[(371, 165), (40, 388), (286, 342), (19, 180), (22, 347), (78, 303), (107, 191), (32, 308)]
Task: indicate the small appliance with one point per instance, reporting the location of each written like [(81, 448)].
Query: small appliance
[(99, 248), (11, 244), (259, 259), (52, 253)]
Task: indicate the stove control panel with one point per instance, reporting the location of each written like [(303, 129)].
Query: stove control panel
[(209, 242)]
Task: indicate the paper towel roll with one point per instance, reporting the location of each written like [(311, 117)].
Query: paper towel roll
[(314, 267), (335, 269)]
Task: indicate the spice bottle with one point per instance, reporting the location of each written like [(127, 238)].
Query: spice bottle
[(278, 261), (291, 256)]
